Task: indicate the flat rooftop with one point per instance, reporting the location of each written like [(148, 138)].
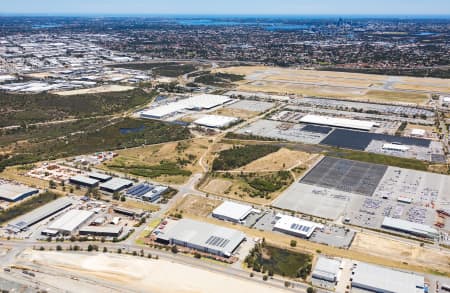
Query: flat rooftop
[(116, 184), (295, 225), (71, 220), (212, 237), (383, 279), (12, 192), (84, 180), (232, 210)]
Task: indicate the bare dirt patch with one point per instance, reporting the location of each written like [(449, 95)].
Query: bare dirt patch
[(197, 205), (283, 159)]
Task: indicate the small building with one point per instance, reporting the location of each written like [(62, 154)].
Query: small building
[(128, 212), (375, 278), (155, 194), (84, 181), (116, 185), (232, 212), (70, 221), (338, 122), (412, 228), (418, 132), (201, 236), (100, 176), (295, 226), (102, 231), (326, 269), (395, 147), (15, 192), (404, 199)]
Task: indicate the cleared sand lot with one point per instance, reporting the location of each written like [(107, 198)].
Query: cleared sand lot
[(217, 186), (197, 205), (143, 275), (281, 160), (364, 87), (400, 250), (96, 90)]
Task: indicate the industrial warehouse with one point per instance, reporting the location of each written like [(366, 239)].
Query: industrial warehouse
[(195, 103), (201, 236), (39, 214), (295, 226), (232, 212), (326, 272), (216, 121), (71, 221), (372, 278), (15, 192)]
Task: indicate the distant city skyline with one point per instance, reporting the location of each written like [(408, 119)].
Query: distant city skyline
[(229, 7)]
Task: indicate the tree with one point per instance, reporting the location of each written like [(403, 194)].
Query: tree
[(90, 247), (174, 249), (58, 248), (310, 290), (287, 284), (116, 195), (293, 243), (265, 278)]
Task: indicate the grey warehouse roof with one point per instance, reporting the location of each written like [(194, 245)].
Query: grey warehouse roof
[(326, 268), (116, 184), (232, 210), (205, 235), (12, 191), (386, 280)]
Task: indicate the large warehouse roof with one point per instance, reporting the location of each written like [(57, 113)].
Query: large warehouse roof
[(409, 227), (380, 279), (326, 269), (204, 101), (116, 184), (39, 214), (99, 176), (338, 122), (199, 234), (71, 220), (13, 192), (296, 226), (232, 211), (215, 121), (84, 180)]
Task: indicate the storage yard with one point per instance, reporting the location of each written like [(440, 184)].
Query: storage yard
[(368, 195)]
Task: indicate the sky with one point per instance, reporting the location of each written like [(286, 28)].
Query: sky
[(227, 7)]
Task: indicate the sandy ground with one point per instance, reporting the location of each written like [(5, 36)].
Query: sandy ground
[(393, 249), (95, 90), (366, 87), (197, 205), (238, 113), (142, 274), (217, 186), (281, 160)]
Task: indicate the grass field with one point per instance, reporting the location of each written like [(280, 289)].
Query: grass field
[(357, 86), (171, 162), (196, 205)]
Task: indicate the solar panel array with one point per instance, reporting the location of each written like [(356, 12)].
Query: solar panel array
[(140, 190), (346, 175), (217, 241), (358, 140), (301, 228)]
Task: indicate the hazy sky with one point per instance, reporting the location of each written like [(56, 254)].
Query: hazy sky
[(299, 7)]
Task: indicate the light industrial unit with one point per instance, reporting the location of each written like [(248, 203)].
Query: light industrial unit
[(102, 231), (201, 236), (295, 226), (338, 122), (116, 185), (39, 214), (231, 211), (14, 192), (409, 227), (374, 278), (100, 176), (84, 181), (71, 221), (326, 269)]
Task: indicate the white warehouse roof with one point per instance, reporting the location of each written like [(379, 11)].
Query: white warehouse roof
[(409, 227), (296, 226), (232, 211), (204, 236), (193, 103), (326, 269), (215, 121), (71, 220), (380, 279), (338, 122)]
